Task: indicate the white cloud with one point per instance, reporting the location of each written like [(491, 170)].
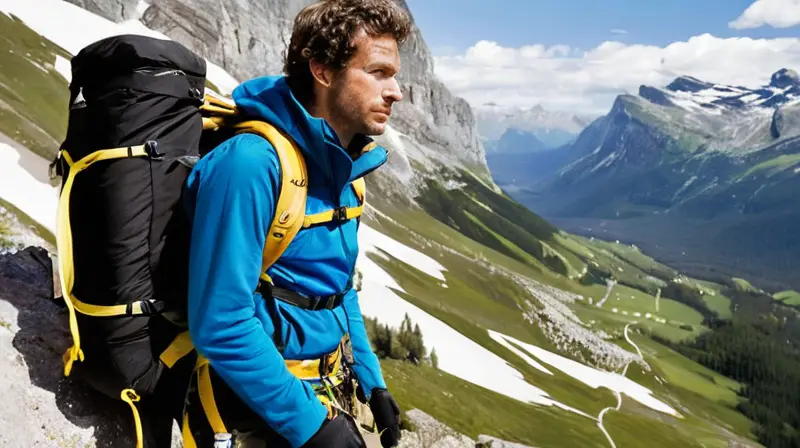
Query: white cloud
[(776, 13), (563, 78), (619, 31)]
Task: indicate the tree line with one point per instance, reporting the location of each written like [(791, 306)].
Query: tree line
[(405, 343), (759, 347)]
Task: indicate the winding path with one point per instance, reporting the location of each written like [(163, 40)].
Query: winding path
[(617, 394), (609, 287)]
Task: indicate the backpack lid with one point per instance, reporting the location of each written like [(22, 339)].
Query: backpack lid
[(120, 55)]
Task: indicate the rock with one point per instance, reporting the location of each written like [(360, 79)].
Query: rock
[(246, 38), (430, 433), (688, 84), (485, 441), (777, 123), (654, 95), (116, 10), (42, 406), (784, 78)]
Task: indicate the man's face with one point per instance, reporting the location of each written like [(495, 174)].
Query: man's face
[(361, 95)]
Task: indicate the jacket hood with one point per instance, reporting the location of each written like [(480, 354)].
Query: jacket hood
[(270, 98)]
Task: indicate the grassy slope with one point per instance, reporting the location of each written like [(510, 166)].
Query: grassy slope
[(772, 166), (472, 410), (788, 297), (706, 397), (33, 96), (474, 302)]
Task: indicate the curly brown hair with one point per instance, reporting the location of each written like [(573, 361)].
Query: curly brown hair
[(324, 32)]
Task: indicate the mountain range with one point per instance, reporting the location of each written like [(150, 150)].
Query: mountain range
[(541, 337), (704, 175), (551, 128)]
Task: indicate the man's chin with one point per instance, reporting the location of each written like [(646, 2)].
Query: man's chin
[(373, 129)]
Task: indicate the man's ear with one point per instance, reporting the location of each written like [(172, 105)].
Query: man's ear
[(321, 73)]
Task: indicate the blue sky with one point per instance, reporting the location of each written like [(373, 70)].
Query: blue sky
[(579, 55), (451, 26)]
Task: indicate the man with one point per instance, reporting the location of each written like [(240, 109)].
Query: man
[(339, 86)]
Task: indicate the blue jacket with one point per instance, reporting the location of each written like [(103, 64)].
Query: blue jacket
[(231, 195)]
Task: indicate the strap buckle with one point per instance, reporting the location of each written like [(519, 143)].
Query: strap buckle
[(340, 214), (327, 302), (330, 302), (148, 307), (151, 148)]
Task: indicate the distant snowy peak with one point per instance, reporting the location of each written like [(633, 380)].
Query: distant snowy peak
[(784, 78), (552, 127), (693, 94)]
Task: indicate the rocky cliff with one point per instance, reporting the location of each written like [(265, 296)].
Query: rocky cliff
[(248, 38)]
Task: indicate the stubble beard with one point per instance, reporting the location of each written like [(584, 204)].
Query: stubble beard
[(348, 114)]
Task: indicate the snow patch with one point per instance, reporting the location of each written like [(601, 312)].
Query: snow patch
[(27, 191), (750, 98), (370, 239), (64, 68), (458, 355), (683, 188), (141, 7), (48, 18), (607, 161), (592, 377), (536, 365)]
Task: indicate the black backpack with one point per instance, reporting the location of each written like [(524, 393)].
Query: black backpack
[(133, 134)]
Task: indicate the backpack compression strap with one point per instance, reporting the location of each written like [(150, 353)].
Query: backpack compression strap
[(65, 255)]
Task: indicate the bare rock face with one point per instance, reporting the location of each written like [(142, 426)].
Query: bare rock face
[(43, 407), (245, 37), (116, 10)]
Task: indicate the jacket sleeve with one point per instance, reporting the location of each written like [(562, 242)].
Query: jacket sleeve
[(366, 367), (235, 189)]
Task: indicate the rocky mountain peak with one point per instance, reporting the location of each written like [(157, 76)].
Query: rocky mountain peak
[(688, 84), (700, 97), (785, 78)]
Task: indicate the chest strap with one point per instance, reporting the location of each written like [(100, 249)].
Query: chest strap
[(313, 303)]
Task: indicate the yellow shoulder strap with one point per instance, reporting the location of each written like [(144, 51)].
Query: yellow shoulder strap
[(290, 211), (360, 187), (291, 207)]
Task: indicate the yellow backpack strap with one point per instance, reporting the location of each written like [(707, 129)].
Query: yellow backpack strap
[(291, 206), (342, 213), (216, 110), (360, 187)]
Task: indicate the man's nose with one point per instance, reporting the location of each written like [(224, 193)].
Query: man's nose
[(393, 93)]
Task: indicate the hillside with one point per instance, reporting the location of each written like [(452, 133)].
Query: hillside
[(543, 338), (694, 172)]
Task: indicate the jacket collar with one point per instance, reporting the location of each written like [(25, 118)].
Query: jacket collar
[(271, 99)]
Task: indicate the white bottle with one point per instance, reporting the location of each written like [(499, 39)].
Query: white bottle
[(223, 440)]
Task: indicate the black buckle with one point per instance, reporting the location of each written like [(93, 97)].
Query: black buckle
[(330, 302), (340, 214), (151, 149), (149, 307)]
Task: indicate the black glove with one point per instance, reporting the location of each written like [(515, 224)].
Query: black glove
[(387, 416), (341, 432)]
